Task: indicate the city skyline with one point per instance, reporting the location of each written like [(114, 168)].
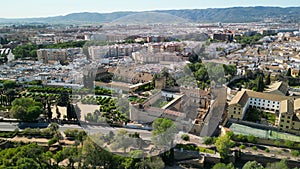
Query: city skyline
[(34, 8)]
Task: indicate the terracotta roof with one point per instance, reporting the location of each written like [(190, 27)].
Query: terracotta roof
[(241, 97), (287, 106), (278, 88), (297, 104)]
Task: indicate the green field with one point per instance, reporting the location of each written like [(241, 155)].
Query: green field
[(268, 134)]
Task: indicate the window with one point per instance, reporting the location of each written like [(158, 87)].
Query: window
[(268, 105), (281, 125), (287, 127), (234, 108), (282, 116), (233, 112), (239, 112), (231, 116), (288, 121), (282, 120), (268, 101), (239, 108), (289, 117)]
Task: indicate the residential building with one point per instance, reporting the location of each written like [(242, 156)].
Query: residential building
[(286, 109), (48, 55)]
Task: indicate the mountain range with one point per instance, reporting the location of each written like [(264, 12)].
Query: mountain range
[(211, 15)]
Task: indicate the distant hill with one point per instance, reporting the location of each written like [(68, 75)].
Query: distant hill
[(211, 15)]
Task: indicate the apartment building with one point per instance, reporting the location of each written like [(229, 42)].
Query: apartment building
[(286, 109), (52, 55), (99, 52)]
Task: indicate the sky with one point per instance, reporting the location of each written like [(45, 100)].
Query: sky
[(45, 8)]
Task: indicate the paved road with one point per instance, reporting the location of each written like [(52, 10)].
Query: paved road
[(146, 135), (6, 126)]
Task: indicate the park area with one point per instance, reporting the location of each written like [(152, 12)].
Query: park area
[(262, 133)]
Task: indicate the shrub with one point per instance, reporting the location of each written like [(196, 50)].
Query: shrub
[(241, 137), (242, 146), (267, 150), (208, 140), (251, 139), (185, 137), (254, 148), (289, 143), (52, 141), (277, 143), (295, 153)]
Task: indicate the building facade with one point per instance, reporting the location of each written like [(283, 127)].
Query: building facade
[(286, 109)]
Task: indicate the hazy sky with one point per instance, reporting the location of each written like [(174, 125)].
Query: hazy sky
[(42, 8)]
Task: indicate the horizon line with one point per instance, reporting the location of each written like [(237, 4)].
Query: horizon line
[(150, 10)]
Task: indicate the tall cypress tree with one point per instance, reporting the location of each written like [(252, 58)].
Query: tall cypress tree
[(49, 112), (289, 72), (260, 83), (268, 79)]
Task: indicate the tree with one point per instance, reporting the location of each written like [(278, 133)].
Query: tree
[(289, 72), (63, 99), (9, 84), (268, 79), (251, 139), (223, 145), (53, 141), (289, 143), (72, 111), (94, 155), (185, 137), (252, 165), (122, 140), (163, 132), (223, 166), (57, 112), (152, 163), (49, 111), (278, 165), (208, 140), (26, 109), (260, 83)]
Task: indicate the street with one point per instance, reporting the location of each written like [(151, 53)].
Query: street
[(90, 129)]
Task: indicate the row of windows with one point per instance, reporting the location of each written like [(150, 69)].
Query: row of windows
[(288, 117), (235, 112), (286, 121), (264, 104), (235, 108), (281, 126), (274, 102)]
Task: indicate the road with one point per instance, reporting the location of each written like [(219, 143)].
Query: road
[(146, 135), (6, 126)]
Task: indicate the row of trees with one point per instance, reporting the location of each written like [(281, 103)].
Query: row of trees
[(30, 50), (205, 73), (90, 155)]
